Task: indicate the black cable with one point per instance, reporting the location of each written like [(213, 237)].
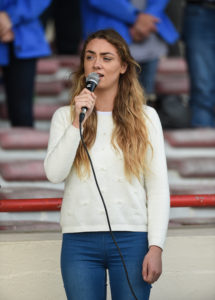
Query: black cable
[(106, 212)]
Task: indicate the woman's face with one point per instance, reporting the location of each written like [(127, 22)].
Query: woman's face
[(102, 57)]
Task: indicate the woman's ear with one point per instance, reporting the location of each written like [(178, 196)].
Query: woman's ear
[(123, 68)]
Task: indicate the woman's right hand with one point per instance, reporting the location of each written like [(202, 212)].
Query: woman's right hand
[(84, 99)]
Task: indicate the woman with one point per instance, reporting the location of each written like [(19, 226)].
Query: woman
[(125, 140)]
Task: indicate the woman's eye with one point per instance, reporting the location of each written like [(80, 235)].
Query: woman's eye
[(89, 57), (107, 58)]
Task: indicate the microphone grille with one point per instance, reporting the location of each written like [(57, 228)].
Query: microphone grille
[(93, 77)]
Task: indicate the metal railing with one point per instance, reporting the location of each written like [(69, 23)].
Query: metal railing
[(54, 204)]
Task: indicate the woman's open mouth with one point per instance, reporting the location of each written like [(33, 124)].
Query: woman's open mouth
[(100, 75)]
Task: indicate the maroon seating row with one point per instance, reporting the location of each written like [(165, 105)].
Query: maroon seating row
[(22, 138), (32, 170), (171, 78), (53, 64), (42, 111)]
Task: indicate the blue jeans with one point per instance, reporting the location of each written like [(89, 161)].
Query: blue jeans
[(199, 37), (85, 257)]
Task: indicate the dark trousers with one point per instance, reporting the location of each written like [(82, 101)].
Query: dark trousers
[(67, 23), (148, 74), (199, 37), (67, 16), (18, 79)]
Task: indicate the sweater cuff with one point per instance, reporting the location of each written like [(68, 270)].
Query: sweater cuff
[(156, 242)]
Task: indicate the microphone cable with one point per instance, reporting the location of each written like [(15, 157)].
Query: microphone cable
[(81, 117)]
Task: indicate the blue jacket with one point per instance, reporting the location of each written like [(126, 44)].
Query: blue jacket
[(121, 14), (29, 38)]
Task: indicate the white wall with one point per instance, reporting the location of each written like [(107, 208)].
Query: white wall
[(29, 266)]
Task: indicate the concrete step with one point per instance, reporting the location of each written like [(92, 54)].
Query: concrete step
[(18, 165), (192, 188), (168, 65), (51, 88), (171, 84), (48, 66), (69, 61), (23, 138), (25, 192), (165, 84), (179, 222), (29, 192), (45, 111), (190, 138), (28, 226), (21, 226), (25, 170), (172, 65), (33, 170), (171, 78), (202, 167), (43, 87), (42, 111)]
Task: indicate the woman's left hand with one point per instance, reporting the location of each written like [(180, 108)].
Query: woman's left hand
[(152, 265)]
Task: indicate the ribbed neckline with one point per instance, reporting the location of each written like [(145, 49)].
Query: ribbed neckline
[(104, 112)]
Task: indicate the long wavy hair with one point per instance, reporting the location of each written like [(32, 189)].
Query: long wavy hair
[(130, 131)]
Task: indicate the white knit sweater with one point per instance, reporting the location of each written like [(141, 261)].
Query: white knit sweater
[(137, 206)]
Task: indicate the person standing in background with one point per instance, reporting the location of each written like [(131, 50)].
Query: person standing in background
[(22, 41), (199, 38), (142, 23), (67, 26)]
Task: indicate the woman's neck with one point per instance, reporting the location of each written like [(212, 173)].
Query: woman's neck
[(105, 99)]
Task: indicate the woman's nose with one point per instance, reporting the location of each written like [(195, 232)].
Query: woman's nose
[(97, 63)]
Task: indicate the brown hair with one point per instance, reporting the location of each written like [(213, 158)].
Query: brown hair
[(130, 132)]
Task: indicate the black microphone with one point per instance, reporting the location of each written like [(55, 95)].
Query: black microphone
[(92, 81)]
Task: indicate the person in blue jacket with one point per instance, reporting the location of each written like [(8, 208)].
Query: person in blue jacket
[(142, 23), (22, 41)]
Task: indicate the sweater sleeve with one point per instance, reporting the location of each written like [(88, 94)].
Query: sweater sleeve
[(63, 143), (156, 183)]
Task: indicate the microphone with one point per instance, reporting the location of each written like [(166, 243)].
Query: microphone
[(92, 81)]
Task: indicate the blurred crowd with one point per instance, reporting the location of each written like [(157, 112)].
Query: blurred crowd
[(152, 28)]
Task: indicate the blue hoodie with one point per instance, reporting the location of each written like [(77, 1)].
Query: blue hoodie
[(29, 39)]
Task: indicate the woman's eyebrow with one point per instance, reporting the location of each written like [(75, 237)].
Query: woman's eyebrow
[(107, 53), (90, 51), (102, 53)]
